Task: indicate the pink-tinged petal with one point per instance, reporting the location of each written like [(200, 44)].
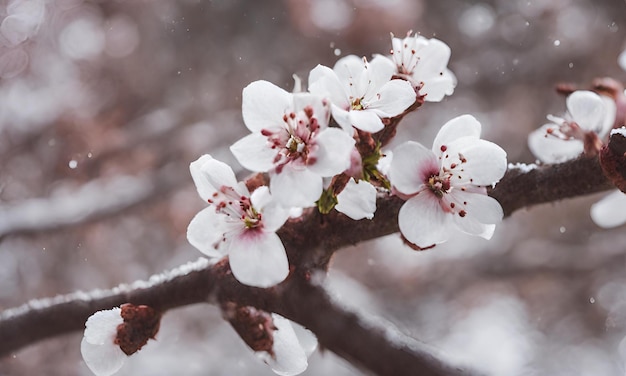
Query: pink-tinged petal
[(423, 222), (264, 105), (254, 152), (274, 214), (357, 200), (342, 118), (324, 82), (460, 126), (411, 166), (205, 231), (550, 149), (332, 156), (381, 69), (485, 161), (296, 187), (393, 98), (209, 175), (258, 258), (483, 208), (100, 353), (587, 109), (437, 87), (365, 120), (434, 58), (289, 356), (610, 211), (320, 106), (472, 226)]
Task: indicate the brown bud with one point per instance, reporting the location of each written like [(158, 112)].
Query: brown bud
[(613, 160), (141, 323), (254, 326)]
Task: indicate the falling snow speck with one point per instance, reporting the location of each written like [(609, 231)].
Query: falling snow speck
[(557, 43), (337, 52), (571, 65), (562, 229), (73, 164), (592, 300)]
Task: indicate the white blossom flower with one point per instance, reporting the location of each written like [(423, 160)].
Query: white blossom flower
[(445, 186), (423, 62), (362, 92), (292, 346), (291, 140), (563, 138), (100, 352), (357, 200), (238, 224)]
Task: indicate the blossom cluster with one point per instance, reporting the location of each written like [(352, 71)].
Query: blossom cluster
[(322, 149)]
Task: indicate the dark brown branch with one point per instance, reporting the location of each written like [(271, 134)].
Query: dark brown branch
[(337, 329)]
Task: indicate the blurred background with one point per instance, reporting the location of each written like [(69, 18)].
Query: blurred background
[(103, 105)]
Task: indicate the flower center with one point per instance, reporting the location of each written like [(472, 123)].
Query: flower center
[(357, 104), (438, 185)]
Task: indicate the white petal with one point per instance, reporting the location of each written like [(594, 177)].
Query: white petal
[(274, 214), (587, 109), (101, 327), (423, 222), (610, 211), (342, 118), (254, 152), (471, 226), (349, 69), (324, 82), (436, 87), (205, 231), (102, 360), (209, 175), (393, 98), (258, 258), (550, 149), (307, 339), (101, 354), (610, 111), (433, 59), (484, 208), (296, 187), (290, 358), (264, 104), (333, 152), (460, 126), (357, 200), (411, 165), (366, 120), (486, 161), (381, 69)]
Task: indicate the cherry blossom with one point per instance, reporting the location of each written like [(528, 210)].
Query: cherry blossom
[(610, 211), (445, 186), (564, 138), (291, 140), (238, 224), (98, 348), (292, 346), (423, 62), (362, 93)]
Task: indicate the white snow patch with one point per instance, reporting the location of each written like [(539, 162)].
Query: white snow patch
[(523, 167)]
